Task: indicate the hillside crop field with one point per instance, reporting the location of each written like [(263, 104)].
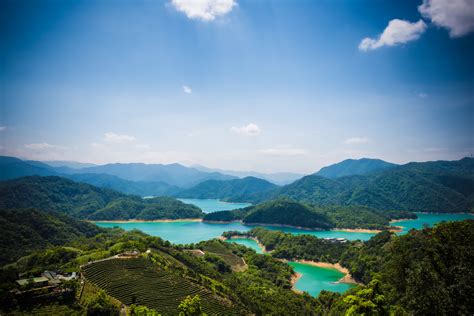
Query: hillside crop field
[(138, 281)]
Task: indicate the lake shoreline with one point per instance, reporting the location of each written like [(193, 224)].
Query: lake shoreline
[(262, 246), (147, 221), (347, 278)]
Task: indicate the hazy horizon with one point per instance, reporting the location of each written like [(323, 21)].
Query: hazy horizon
[(245, 86)]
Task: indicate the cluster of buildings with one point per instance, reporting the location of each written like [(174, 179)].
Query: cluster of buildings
[(340, 240), (47, 278)]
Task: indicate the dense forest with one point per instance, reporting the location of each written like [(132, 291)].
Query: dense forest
[(289, 212), (27, 230), (425, 272), (88, 202)]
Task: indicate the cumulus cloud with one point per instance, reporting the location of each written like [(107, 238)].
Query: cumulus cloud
[(356, 140), (455, 15), (187, 90), (283, 150), (206, 10), (117, 138), (248, 130), (40, 146), (397, 32)]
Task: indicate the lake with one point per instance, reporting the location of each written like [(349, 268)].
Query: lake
[(315, 279), (185, 232), (214, 205)]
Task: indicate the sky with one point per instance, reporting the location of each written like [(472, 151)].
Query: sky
[(269, 86)]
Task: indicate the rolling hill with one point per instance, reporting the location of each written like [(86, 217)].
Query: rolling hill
[(27, 230), (85, 201)]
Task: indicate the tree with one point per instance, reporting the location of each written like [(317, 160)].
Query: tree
[(190, 306)]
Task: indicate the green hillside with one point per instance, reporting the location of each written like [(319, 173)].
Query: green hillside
[(238, 190), (443, 186), (292, 213), (350, 167), (284, 212), (27, 230), (88, 202)]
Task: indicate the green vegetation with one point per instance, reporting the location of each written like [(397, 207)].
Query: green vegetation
[(288, 212), (238, 190), (88, 202), (27, 230), (190, 306), (427, 187), (284, 212), (139, 281), (305, 247)]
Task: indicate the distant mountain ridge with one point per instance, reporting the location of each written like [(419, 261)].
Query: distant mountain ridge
[(279, 178), (103, 176), (350, 167)]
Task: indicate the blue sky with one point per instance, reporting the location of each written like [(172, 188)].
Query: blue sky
[(244, 85)]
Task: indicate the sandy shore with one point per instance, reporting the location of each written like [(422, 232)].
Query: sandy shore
[(150, 221), (401, 220), (347, 278), (394, 229), (294, 278)]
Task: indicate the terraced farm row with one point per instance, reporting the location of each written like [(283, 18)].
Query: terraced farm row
[(138, 281)]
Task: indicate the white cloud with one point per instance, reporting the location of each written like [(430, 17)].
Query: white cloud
[(187, 90), (248, 130), (455, 15), (142, 146), (40, 146), (397, 32), (283, 150), (422, 95), (356, 140), (2, 128), (117, 138), (206, 10)]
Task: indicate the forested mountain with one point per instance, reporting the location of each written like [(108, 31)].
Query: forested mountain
[(88, 202), (238, 190), (27, 230), (441, 186), (292, 213), (350, 167), (173, 174), (283, 212), (11, 168)]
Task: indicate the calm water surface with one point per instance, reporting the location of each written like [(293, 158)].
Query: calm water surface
[(315, 279), (247, 242), (184, 232), (212, 205)]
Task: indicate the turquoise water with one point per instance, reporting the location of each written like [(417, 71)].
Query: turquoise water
[(184, 232), (315, 279), (212, 205), (247, 242), (430, 219)]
